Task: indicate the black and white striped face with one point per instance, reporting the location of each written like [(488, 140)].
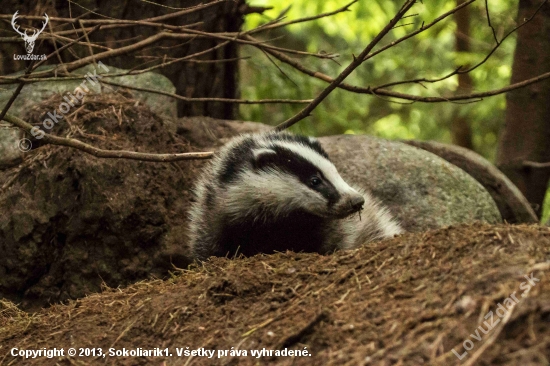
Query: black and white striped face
[(281, 173)]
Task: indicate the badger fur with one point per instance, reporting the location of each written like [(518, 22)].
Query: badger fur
[(275, 192)]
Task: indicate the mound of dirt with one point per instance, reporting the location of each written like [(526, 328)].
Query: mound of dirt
[(70, 221), (415, 299)]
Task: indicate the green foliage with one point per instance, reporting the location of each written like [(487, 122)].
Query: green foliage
[(546, 208), (428, 55)]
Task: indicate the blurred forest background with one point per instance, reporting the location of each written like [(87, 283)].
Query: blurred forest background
[(202, 48), (432, 54)]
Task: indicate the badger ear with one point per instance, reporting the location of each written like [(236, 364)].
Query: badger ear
[(262, 157)]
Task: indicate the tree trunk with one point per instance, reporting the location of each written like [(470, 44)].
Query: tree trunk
[(461, 131), (192, 79), (526, 134)]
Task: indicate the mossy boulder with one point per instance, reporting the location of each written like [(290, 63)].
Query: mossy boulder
[(422, 190), (512, 204), (9, 141), (34, 93)]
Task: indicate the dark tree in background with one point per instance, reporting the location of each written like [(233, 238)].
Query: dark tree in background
[(192, 79), (526, 135), (460, 127)]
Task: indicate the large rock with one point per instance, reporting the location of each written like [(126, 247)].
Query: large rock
[(9, 142), (512, 204), (422, 190), (34, 93)]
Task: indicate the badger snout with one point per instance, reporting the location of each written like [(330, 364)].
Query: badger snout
[(349, 204), (356, 203)]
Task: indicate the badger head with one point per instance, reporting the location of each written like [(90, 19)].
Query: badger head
[(284, 173)]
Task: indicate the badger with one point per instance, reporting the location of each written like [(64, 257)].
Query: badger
[(277, 191)]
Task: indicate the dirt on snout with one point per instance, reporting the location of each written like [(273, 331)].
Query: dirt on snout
[(480, 290)]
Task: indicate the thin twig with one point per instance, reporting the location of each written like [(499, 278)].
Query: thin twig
[(90, 49), (279, 68), (107, 154), (231, 37), (12, 80), (418, 80), (489, 22), (6, 108), (389, 93), (55, 44), (223, 100), (423, 28), (534, 164), (160, 18), (305, 19), (348, 70), (503, 39)]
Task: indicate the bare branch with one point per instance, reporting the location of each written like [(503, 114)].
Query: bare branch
[(504, 38), (44, 76), (223, 100), (103, 55), (379, 91), (56, 52), (66, 46), (119, 23), (160, 18), (489, 22), (8, 105), (237, 38), (423, 28), (107, 154), (417, 81), (264, 27), (184, 32), (536, 165), (348, 70)]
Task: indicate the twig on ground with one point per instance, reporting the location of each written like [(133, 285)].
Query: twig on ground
[(107, 154)]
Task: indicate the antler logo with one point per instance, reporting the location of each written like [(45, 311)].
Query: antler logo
[(29, 40)]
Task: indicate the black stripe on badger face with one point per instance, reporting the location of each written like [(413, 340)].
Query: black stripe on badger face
[(280, 158), (302, 140), (236, 159)]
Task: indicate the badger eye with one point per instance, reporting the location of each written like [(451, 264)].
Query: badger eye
[(315, 181)]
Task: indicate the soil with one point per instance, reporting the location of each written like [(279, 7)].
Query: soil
[(70, 221), (409, 300)]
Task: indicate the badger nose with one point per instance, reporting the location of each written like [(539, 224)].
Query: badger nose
[(357, 203)]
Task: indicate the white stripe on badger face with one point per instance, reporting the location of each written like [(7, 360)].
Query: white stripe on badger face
[(270, 193), (262, 151), (324, 165)]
